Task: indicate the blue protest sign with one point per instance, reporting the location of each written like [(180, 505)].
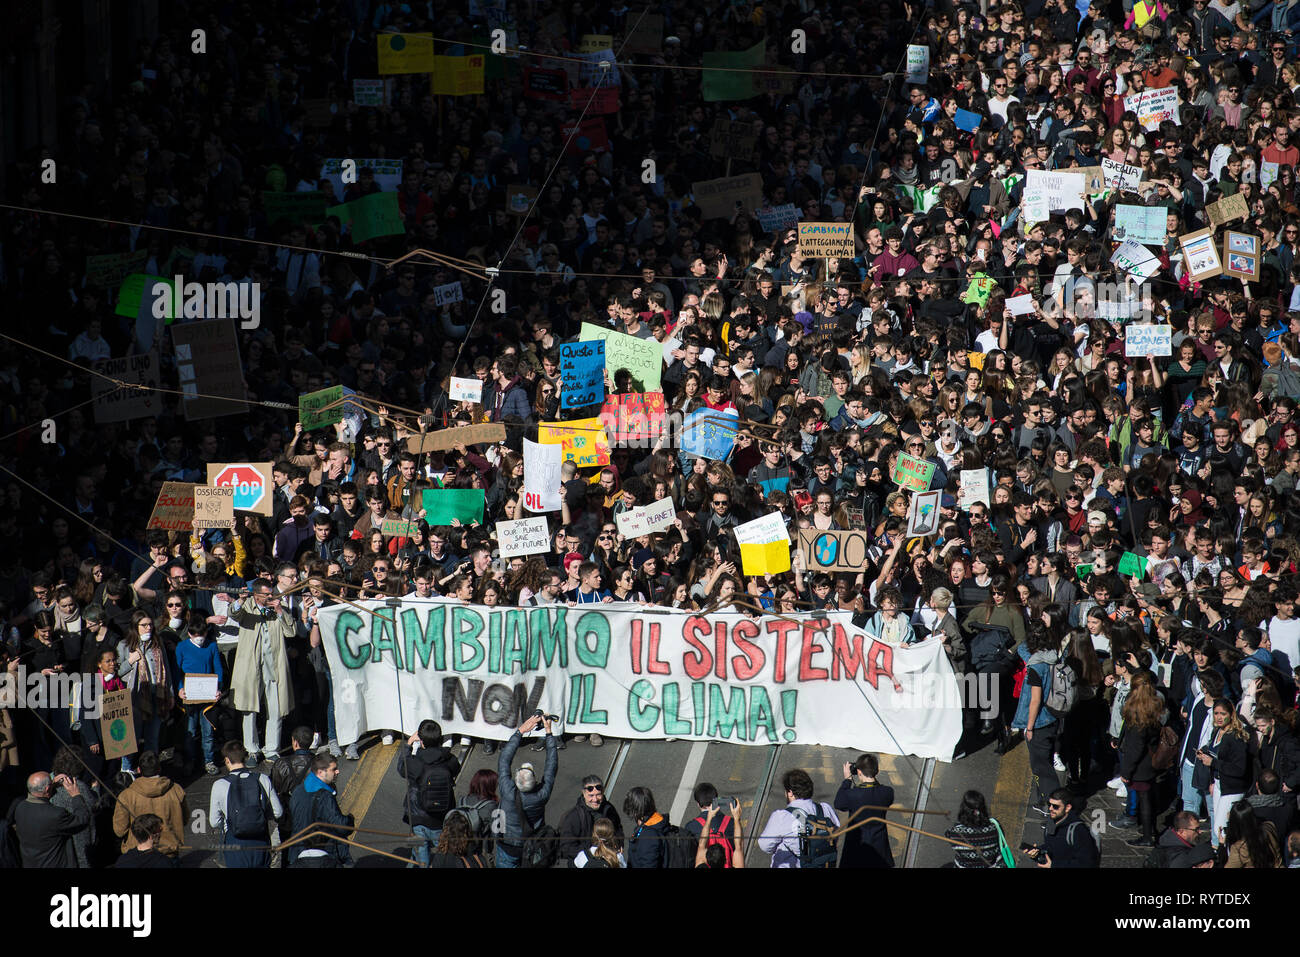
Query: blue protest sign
[(582, 369), (707, 434), (967, 121)]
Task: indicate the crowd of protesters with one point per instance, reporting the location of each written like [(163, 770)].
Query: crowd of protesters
[(1187, 463)]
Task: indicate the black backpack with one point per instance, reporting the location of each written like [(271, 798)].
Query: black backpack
[(433, 793), (817, 847), (248, 809), (540, 844), (680, 850)]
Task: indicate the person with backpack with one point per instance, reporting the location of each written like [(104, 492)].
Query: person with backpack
[(862, 796), (314, 802), (996, 626), (577, 823), (481, 808), (1032, 715), (241, 810), (604, 847), (799, 834), (709, 851), (290, 770), (430, 772), (722, 832), (1067, 841), (648, 845), (523, 799)]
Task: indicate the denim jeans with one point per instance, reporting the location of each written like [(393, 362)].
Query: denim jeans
[(197, 729), (428, 843), (505, 858), (1191, 797), (147, 731)]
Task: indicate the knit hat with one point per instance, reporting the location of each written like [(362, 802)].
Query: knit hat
[(642, 556)]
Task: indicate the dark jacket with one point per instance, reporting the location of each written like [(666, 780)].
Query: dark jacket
[(1278, 808), (138, 859), (648, 847), (1231, 765), (1172, 849), (1279, 752), (290, 771), (412, 767), (313, 801), (1136, 745), (534, 802), (1069, 843), (868, 845), (575, 828), (45, 832)]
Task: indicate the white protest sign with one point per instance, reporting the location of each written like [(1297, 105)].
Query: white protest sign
[(1268, 174), (1219, 159), (923, 515), (542, 476), (763, 530), (1136, 259), (368, 92), (1021, 305), (1143, 340), (1053, 190), (446, 295), (974, 488), (1153, 107), (918, 63), (645, 519), (524, 536), (1121, 175), (466, 390)]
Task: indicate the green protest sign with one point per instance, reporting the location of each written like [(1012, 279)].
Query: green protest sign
[(643, 358), (132, 292), (371, 216), (1131, 565), (727, 76), (296, 207), (912, 474), (310, 408), (1083, 571), (441, 505)]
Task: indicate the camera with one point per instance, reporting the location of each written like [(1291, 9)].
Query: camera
[(542, 716), (1026, 847)]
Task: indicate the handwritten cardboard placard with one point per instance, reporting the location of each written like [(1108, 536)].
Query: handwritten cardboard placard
[(826, 240), (729, 139), (717, 198), (1241, 255), (645, 519), (214, 506), (173, 510), (1226, 209), (524, 536), (1144, 340), (117, 725), (1200, 255), (445, 439)]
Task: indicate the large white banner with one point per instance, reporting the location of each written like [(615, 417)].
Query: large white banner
[(629, 671)]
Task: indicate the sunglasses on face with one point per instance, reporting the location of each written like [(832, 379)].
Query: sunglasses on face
[(593, 787)]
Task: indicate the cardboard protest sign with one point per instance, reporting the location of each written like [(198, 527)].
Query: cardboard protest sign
[(974, 488), (1241, 255), (732, 140), (214, 507), (445, 439), (1147, 340), (173, 510), (826, 240), (1093, 179), (595, 42), (1121, 175), (318, 112), (115, 403), (911, 473), (634, 417), (117, 725), (319, 409), (207, 362), (834, 551), (717, 198), (542, 463), (466, 390), (775, 79), (251, 484), (645, 519), (923, 514), (772, 218), (1153, 107), (764, 545), (582, 441), (1200, 255), (643, 358), (708, 434), (448, 293), (614, 670), (582, 373), (441, 505), (523, 536), (1226, 209), (398, 528), (520, 198)]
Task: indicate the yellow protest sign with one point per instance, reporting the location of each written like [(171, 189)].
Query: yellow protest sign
[(405, 53), (458, 75), (582, 441)]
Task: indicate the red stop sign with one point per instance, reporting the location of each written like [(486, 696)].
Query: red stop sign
[(249, 485)]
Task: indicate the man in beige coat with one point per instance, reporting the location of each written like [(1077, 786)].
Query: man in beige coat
[(261, 672)]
